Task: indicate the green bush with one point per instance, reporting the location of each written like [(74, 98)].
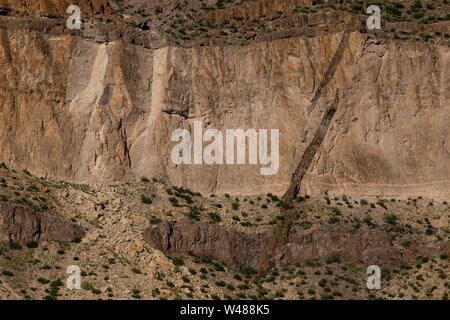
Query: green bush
[(214, 216), (43, 280), (15, 245), (146, 199), (87, 286), (306, 225), (220, 283), (332, 259), (178, 262), (136, 270), (32, 244), (56, 283), (390, 218)]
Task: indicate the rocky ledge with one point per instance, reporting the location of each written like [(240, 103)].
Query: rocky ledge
[(378, 246), (20, 224)]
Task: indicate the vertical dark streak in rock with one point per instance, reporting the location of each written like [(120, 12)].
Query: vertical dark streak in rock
[(329, 74), (311, 151)]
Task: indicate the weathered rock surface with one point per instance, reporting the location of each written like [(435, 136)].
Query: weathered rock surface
[(21, 225), (333, 242), (103, 111), (229, 246)]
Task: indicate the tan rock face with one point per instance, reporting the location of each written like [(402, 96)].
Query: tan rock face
[(92, 112)]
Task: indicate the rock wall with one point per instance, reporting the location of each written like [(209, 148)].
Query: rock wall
[(88, 111), (22, 225), (236, 248), (207, 240)]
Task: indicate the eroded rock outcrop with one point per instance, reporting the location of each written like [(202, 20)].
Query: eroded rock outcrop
[(335, 243), (21, 225), (229, 246)]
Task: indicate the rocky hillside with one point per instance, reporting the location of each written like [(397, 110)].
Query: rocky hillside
[(153, 240)]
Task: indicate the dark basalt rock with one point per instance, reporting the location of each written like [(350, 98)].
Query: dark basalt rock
[(21, 225), (335, 243), (207, 240)]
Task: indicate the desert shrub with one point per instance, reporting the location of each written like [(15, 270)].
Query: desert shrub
[(332, 259), (15, 245), (333, 219), (32, 188), (32, 244), (247, 270), (390, 218), (96, 291), (306, 225), (136, 270), (178, 262), (214, 217), (284, 205), (43, 280), (382, 204), (194, 213), (87, 285), (336, 211), (145, 199), (220, 283)]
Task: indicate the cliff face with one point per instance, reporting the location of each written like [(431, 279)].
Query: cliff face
[(22, 225), (235, 248), (90, 111)]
